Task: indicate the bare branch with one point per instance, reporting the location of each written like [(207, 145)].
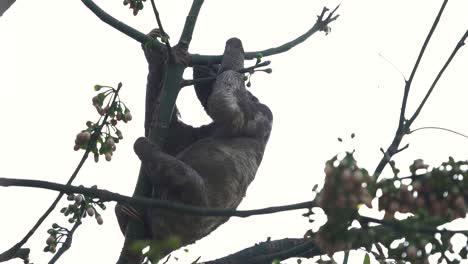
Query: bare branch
[(403, 126), (191, 20), (321, 25), (119, 25), (266, 252), (105, 195), (460, 44)]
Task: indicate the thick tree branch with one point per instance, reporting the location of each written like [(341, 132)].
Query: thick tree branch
[(119, 25), (162, 114), (266, 252), (403, 126), (16, 251), (190, 21), (105, 195), (321, 25), (4, 5)]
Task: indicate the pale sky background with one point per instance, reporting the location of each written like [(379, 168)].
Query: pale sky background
[(53, 52)]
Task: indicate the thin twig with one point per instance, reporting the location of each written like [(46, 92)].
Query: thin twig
[(167, 259), (460, 44), (393, 65), (439, 128), (11, 253), (163, 33), (105, 195), (346, 257)]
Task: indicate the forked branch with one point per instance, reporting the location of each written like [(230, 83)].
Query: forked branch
[(322, 24), (403, 125)]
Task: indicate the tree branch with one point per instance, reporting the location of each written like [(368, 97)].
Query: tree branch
[(403, 126), (460, 44), (4, 5), (439, 128), (162, 114), (190, 21), (163, 33), (119, 25), (321, 25), (266, 252), (400, 225), (16, 251), (105, 195)]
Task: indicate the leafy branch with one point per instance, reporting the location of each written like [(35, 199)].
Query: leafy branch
[(16, 251)]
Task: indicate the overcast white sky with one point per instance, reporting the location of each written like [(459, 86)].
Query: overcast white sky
[(53, 52)]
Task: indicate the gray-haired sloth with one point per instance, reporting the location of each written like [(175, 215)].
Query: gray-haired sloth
[(209, 166)]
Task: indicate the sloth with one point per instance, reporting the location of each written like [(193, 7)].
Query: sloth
[(209, 166)]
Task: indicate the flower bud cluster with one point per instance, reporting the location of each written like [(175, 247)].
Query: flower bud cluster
[(98, 142), (136, 5), (82, 207), (344, 186), (117, 111), (441, 192), (56, 233), (255, 69), (411, 252), (344, 190)]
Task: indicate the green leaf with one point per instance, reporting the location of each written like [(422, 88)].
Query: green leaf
[(101, 97), (366, 259)]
